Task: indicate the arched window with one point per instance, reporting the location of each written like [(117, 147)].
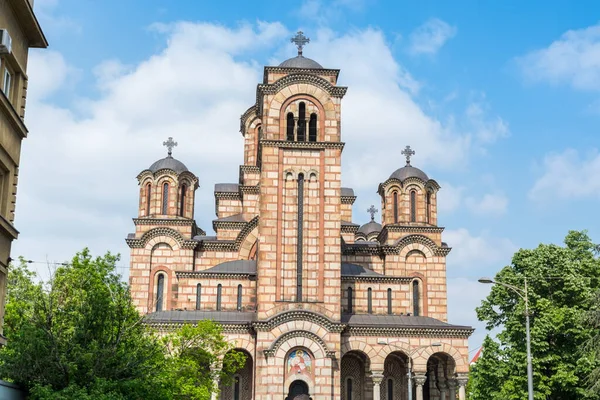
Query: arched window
[(148, 197), (390, 388), (349, 389), (239, 298), (236, 387), (302, 122), (290, 127), (182, 205), (349, 300), (219, 290), (312, 128), (416, 297), (160, 290), (428, 203), (389, 301), (165, 199), (370, 301), (198, 296), (413, 206), (395, 196)]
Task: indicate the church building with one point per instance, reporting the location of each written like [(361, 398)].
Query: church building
[(323, 307)]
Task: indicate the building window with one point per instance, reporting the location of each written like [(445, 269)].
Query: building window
[(312, 128), (413, 206), (198, 296), (165, 199), (349, 389), (370, 301), (389, 301), (390, 388), (301, 122), (160, 290), (416, 297), (7, 86), (239, 298), (219, 290), (428, 205), (182, 205), (290, 127), (236, 388), (300, 236), (148, 198), (395, 196), (350, 300)]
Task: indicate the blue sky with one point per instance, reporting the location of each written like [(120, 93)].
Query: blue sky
[(500, 100)]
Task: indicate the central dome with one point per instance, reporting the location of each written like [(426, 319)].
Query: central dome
[(168, 163), (301, 62)]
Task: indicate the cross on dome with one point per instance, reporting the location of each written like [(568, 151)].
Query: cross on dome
[(372, 210), (408, 152), (300, 40), (169, 144)]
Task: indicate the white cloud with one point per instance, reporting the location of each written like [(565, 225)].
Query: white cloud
[(324, 13), (574, 59), (486, 129), (430, 37), (476, 252), (488, 205), (568, 175), (449, 197)]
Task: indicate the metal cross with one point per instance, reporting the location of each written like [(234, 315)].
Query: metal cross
[(169, 144), (408, 152), (372, 210), (300, 40)]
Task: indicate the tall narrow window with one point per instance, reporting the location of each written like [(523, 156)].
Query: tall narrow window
[(370, 301), (300, 239), (236, 388), (7, 83), (182, 201), (148, 198), (219, 290), (416, 297), (349, 389), (290, 127), (160, 289), (312, 128), (390, 388), (165, 199), (302, 122), (428, 204), (413, 206), (389, 301), (395, 196), (350, 300), (198, 296), (239, 298)]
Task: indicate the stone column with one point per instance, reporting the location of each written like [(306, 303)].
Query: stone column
[(216, 370), (452, 388), (462, 384), (419, 382), (377, 377), (442, 388)]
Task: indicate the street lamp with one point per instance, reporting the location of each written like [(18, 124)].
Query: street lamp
[(409, 373), (523, 294)]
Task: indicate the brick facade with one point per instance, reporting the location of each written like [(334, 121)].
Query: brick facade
[(319, 303)]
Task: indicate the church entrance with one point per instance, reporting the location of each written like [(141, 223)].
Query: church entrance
[(298, 391)]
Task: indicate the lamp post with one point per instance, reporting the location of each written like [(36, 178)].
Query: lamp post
[(409, 373), (523, 294)]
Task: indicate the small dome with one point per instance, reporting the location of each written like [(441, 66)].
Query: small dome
[(301, 62), (168, 163), (369, 228), (409, 172)]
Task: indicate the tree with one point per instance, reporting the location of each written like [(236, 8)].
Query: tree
[(562, 282)]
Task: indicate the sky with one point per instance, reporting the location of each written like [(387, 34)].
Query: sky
[(500, 101)]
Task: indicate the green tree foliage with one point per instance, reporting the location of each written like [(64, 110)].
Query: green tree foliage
[(79, 336), (593, 344), (562, 283)]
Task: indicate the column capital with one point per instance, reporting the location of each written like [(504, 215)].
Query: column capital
[(377, 378), (420, 379), (452, 383), (462, 380)]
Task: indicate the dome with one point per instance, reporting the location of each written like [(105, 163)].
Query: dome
[(409, 171), (168, 163), (301, 62), (369, 228)]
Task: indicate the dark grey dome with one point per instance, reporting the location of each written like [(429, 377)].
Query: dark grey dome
[(369, 228), (409, 172), (301, 62), (168, 163)]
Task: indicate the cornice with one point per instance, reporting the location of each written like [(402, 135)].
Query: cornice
[(250, 169), (166, 326), (349, 228), (163, 222), (302, 145), (382, 278), (228, 195), (353, 248), (413, 228), (249, 189), (298, 315), (460, 333), (348, 199), (282, 70), (229, 225), (161, 231), (209, 275)]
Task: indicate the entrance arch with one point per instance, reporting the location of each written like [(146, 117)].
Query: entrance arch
[(298, 391)]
